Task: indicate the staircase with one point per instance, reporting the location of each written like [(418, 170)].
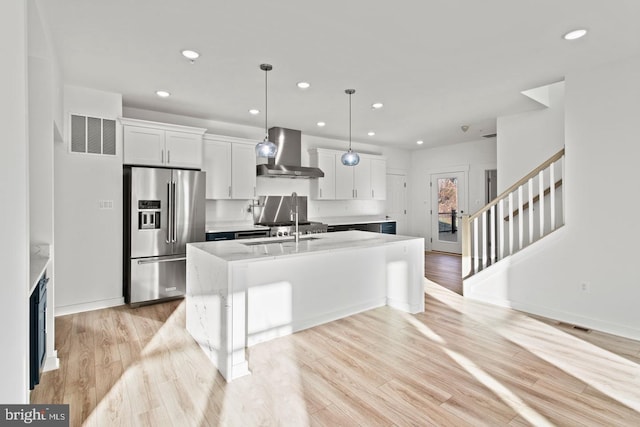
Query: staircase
[(526, 212)]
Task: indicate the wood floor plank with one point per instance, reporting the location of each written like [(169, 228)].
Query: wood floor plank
[(459, 363)]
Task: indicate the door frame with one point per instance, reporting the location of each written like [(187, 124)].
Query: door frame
[(463, 200), (403, 222)]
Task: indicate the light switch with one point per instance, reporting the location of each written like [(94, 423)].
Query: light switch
[(105, 204)]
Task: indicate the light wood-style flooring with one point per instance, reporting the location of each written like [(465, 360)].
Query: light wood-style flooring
[(445, 269), (459, 363)]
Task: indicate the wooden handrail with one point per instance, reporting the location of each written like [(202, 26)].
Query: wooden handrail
[(515, 186), (535, 200)]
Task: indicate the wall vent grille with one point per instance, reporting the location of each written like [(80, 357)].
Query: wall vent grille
[(93, 135)]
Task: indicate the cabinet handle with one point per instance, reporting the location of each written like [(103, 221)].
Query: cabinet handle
[(254, 191), (161, 156), (168, 156), (373, 194), (321, 193), (229, 191)]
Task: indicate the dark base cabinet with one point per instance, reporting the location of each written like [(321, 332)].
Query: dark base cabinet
[(375, 227), (388, 228), (37, 330)]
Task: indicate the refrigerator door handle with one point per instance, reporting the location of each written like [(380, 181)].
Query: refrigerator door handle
[(158, 260), (169, 203), (173, 213)]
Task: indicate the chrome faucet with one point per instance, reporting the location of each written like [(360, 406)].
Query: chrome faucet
[(294, 212)]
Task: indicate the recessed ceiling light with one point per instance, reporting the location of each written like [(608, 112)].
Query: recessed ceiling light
[(321, 124), (575, 34), (377, 105), (191, 55), (162, 93), (254, 111), (420, 142), (371, 133), (303, 85)]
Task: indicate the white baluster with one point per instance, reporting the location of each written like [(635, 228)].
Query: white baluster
[(541, 201), (501, 228), (552, 195), (492, 237), (520, 217), (484, 239), (510, 223), (530, 190), (475, 245)]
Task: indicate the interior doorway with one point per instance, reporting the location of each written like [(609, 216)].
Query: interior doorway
[(396, 204), (448, 203)]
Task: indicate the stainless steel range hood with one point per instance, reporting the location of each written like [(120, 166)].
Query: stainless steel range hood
[(287, 163)]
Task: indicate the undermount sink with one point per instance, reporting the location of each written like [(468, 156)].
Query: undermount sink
[(274, 241)]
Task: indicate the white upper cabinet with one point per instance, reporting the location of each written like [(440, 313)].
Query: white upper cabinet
[(159, 144), (378, 179), (323, 188), (216, 162), (362, 179), (143, 146), (243, 171), (365, 181), (230, 164)]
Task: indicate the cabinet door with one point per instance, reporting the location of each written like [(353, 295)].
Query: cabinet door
[(324, 188), (378, 179), (184, 150), (143, 146), (362, 179), (243, 171), (217, 164), (344, 180)]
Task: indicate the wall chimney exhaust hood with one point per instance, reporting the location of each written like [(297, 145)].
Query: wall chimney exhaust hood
[(287, 163)]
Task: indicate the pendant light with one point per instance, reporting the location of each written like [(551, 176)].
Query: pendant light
[(266, 148), (350, 158)]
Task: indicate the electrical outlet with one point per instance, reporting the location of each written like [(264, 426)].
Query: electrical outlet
[(585, 287)]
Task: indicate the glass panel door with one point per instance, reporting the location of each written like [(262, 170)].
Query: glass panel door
[(448, 197)]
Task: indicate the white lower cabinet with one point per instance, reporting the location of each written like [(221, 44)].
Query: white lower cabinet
[(160, 144), (230, 164)]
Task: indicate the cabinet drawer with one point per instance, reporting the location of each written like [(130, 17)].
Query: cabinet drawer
[(212, 237)]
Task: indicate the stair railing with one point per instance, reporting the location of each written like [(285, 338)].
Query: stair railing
[(491, 233)]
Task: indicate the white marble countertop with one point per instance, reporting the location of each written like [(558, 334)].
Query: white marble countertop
[(231, 226), (265, 248), (37, 266), (362, 219)]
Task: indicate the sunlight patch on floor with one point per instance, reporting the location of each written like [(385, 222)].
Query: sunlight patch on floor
[(506, 395), (620, 380)]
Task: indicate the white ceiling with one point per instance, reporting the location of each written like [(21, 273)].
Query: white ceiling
[(435, 64)]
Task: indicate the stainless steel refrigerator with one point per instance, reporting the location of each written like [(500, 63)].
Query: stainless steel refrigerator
[(164, 209)]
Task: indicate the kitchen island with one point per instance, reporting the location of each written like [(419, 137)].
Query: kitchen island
[(240, 293)]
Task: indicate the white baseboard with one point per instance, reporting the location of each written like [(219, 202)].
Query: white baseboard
[(52, 362), (561, 316), (89, 306)]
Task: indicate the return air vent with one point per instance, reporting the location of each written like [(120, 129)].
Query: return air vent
[(93, 135)]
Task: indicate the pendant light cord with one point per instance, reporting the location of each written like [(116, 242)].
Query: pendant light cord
[(266, 108), (350, 122)]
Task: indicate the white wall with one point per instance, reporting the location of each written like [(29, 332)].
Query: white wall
[(88, 239), (14, 213), (474, 157), (518, 151), (595, 247), (227, 210)]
